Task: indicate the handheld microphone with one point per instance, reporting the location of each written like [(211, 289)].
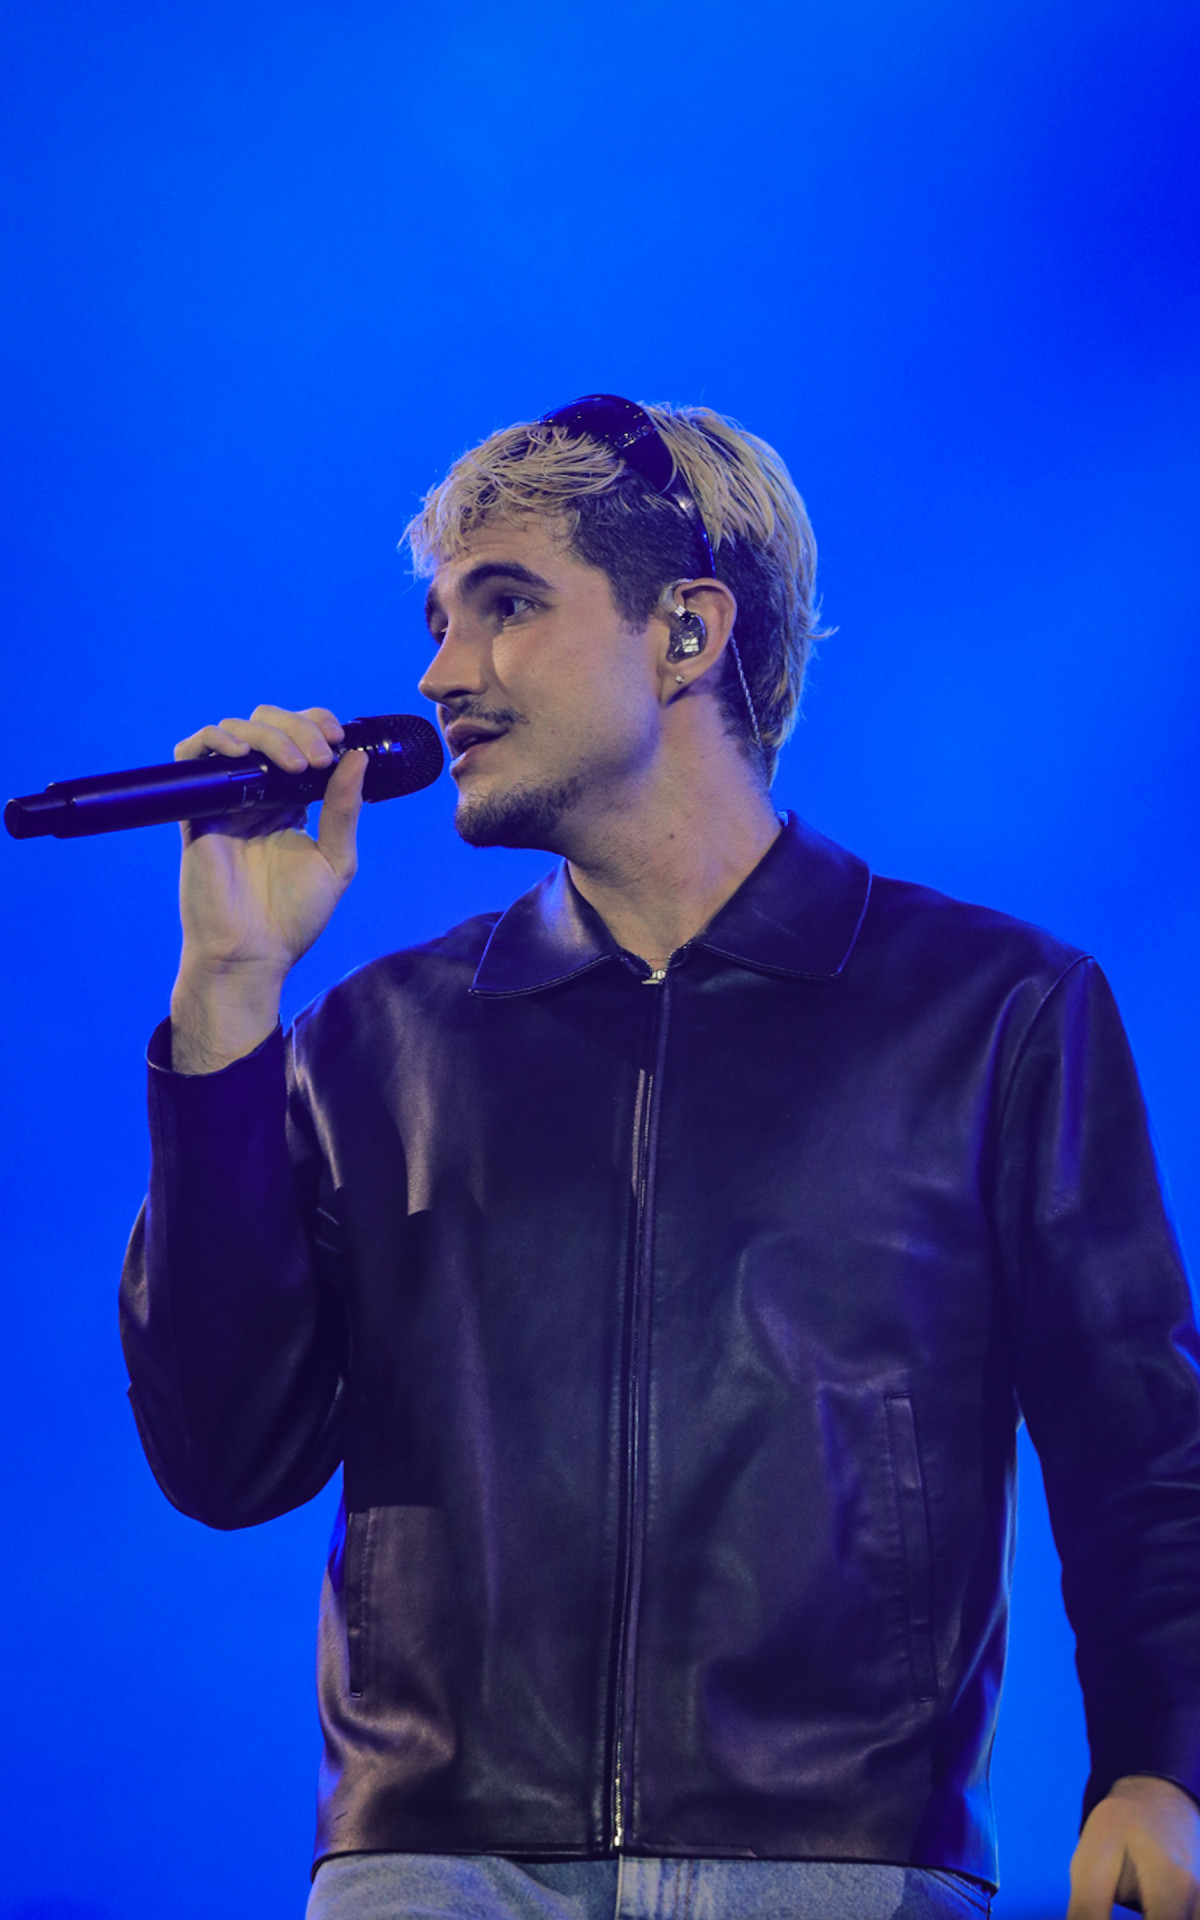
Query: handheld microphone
[(404, 754)]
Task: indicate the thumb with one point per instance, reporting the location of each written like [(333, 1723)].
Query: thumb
[(340, 809)]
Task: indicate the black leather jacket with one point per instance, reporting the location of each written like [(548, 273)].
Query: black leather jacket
[(674, 1335)]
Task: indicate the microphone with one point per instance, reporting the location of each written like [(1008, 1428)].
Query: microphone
[(404, 754)]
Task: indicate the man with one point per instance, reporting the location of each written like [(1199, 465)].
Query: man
[(668, 1259)]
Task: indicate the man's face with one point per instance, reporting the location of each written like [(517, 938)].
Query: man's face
[(548, 701)]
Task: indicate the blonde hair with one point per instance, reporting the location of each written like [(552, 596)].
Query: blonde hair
[(757, 523)]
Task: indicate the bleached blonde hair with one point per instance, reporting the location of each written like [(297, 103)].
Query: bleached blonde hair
[(757, 523)]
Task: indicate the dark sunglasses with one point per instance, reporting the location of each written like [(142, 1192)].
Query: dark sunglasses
[(629, 431)]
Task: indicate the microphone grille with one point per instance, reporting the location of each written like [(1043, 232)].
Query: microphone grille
[(405, 753)]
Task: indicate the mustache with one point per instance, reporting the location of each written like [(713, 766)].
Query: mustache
[(468, 709)]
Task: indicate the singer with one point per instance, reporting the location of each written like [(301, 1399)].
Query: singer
[(667, 1260)]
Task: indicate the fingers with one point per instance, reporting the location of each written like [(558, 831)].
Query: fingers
[(340, 808), (1095, 1871), (1160, 1888), (292, 741), (1140, 1846)]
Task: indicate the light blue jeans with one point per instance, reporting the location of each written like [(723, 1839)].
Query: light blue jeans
[(431, 1886)]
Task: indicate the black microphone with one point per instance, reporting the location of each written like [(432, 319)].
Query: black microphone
[(404, 754)]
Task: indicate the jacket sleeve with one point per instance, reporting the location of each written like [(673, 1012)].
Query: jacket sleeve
[(1107, 1366), (234, 1338)]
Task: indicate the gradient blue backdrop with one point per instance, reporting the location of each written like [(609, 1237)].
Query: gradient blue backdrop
[(270, 267)]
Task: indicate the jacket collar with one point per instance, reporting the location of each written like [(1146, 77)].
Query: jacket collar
[(797, 913)]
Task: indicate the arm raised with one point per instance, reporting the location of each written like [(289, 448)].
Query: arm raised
[(256, 892)]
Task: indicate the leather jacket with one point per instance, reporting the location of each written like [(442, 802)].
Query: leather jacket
[(674, 1332)]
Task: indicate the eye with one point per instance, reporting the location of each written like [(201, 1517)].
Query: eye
[(510, 606)]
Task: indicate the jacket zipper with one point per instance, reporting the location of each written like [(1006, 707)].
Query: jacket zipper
[(643, 1157)]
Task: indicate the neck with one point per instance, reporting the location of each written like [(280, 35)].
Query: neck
[(658, 874)]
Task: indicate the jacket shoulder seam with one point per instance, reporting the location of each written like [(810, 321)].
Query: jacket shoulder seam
[(1072, 966)]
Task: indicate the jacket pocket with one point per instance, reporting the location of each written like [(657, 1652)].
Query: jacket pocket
[(356, 1578), (913, 1515)]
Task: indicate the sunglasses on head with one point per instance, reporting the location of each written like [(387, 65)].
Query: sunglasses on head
[(629, 431)]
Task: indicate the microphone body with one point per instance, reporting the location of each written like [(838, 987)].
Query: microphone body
[(404, 754)]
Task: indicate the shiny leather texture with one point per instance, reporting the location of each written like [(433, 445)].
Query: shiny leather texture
[(674, 1336)]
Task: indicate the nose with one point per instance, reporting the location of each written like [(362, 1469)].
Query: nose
[(456, 670)]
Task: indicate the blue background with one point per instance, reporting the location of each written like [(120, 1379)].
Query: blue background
[(269, 268)]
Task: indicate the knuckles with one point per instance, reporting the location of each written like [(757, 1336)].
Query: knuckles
[(315, 729)]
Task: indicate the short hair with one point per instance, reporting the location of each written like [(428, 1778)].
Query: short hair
[(762, 541)]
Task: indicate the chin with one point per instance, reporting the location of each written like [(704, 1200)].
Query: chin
[(520, 817)]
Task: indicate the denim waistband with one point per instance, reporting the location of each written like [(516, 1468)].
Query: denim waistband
[(415, 1886)]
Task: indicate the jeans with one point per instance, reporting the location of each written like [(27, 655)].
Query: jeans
[(416, 1886)]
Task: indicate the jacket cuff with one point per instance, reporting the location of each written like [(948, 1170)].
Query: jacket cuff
[(158, 1053), (1172, 1754)]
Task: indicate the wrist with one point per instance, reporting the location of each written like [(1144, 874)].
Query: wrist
[(208, 974), (1149, 1786), (221, 1012)]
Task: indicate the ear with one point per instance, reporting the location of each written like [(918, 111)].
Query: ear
[(688, 648)]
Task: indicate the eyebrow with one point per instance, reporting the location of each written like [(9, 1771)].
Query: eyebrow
[(479, 576)]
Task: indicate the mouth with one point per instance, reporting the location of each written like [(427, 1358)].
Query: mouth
[(467, 739)]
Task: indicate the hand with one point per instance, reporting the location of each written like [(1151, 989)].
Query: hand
[(255, 891), (1140, 1846)]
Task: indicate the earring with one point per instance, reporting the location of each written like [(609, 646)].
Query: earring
[(678, 679), (689, 635)]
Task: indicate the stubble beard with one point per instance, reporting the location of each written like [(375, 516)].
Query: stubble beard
[(522, 817)]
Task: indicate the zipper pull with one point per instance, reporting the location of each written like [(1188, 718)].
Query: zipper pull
[(656, 978)]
